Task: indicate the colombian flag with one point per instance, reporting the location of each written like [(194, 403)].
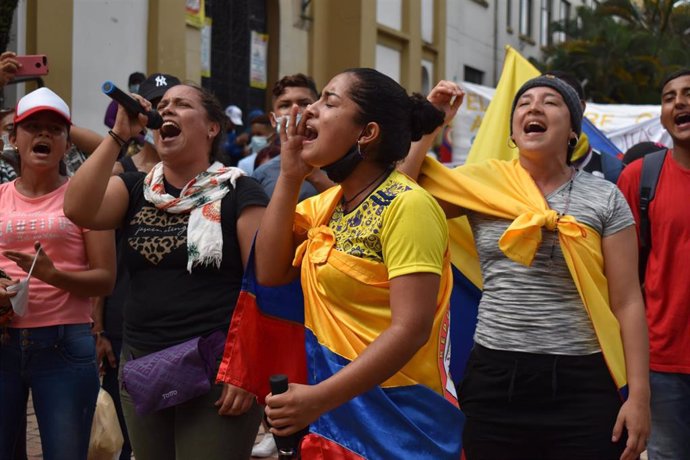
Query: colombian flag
[(413, 414), (445, 150), (491, 141), (492, 138), (264, 338)]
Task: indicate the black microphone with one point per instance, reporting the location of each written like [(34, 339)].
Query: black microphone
[(286, 445), (131, 105)]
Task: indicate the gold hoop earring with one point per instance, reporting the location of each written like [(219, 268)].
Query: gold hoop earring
[(511, 141)]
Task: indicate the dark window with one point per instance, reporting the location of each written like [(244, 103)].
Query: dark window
[(474, 75), (544, 31), (526, 18)]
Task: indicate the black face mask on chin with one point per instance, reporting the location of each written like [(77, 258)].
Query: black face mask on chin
[(340, 169)]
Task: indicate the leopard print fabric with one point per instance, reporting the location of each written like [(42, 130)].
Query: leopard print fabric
[(158, 233)]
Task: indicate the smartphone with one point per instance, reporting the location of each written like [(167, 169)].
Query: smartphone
[(32, 65)]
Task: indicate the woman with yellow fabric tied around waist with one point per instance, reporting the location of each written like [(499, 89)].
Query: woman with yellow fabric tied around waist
[(560, 323), (375, 272)]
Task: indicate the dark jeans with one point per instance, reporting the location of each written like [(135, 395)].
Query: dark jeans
[(525, 406), (111, 384), (670, 436), (58, 364), (189, 431)]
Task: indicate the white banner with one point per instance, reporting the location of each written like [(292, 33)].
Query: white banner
[(469, 117), (611, 117), (650, 130)]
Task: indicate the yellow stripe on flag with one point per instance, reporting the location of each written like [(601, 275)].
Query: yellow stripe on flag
[(492, 137)]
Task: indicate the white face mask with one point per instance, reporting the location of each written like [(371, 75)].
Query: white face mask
[(6, 142), (9, 151), (258, 143), (20, 301), (284, 121)]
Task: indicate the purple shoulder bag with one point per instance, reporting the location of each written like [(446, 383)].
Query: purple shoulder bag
[(173, 375)]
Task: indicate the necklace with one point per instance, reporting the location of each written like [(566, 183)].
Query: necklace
[(345, 202), (561, 214)]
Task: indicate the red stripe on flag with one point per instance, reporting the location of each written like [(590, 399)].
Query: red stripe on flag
[(315, 447), (259, 346)]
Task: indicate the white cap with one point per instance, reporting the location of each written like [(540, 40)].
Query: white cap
[(40, 100), (234, 113)]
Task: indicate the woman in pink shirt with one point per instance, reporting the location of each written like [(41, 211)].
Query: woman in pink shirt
[(47, 347)]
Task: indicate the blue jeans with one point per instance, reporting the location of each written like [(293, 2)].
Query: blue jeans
[(111, 384), (670, 436), (58, 364)]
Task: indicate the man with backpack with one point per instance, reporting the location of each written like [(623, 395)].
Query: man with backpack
[(584, 156), (659, 200)]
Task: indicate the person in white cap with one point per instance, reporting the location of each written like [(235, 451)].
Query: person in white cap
[(235, 140), (234, 113), (47, 346)]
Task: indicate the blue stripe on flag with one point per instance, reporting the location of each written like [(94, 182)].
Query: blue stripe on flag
[(402, 422)]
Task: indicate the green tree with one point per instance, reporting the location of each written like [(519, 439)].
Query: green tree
[(622, 49)]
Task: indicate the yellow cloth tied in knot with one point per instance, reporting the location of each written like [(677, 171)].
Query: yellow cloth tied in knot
[(522, 238), (319, 243), (504, 189)]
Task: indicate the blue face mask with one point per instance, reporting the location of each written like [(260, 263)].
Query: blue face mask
[(148, 137), (258, 143)]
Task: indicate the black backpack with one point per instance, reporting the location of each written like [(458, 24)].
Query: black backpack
[(651, 170)]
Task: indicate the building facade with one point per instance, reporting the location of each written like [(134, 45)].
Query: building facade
[(239, 48)]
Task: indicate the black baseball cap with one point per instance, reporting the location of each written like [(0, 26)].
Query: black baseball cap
[(155, 86)]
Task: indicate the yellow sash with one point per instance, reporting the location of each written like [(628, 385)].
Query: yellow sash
[(347, 298), (504, 189)]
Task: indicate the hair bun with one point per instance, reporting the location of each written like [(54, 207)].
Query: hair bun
[(424, 117)]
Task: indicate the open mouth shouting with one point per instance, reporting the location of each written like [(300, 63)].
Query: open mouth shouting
[(682, 120), (310, 133), (42, 148), (169, 130), (534, 127)]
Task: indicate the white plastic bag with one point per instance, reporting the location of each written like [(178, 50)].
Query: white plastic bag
[(106, 434)]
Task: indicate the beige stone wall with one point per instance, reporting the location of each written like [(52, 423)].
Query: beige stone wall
[(49, 31), (167, 33), (345, 34)]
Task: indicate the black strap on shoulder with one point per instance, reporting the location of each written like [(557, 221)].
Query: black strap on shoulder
[(651, 170)]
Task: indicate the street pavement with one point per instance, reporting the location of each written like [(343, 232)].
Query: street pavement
[(33, 439)]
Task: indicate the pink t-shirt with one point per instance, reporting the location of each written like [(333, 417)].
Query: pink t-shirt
[(23, 221)]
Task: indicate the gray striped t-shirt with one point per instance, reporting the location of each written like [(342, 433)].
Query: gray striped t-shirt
[(538, 309)]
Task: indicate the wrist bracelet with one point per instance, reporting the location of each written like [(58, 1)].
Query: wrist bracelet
[(120, 141)]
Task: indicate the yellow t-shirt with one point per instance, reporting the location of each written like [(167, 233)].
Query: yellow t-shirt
[(398, 224)]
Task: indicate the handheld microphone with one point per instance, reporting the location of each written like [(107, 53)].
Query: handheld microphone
[(131, 105), (286, 445)]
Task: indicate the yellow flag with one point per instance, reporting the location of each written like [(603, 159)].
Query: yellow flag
[(492, 137)]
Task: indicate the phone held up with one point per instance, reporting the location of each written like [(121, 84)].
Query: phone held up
[(32, 65)]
